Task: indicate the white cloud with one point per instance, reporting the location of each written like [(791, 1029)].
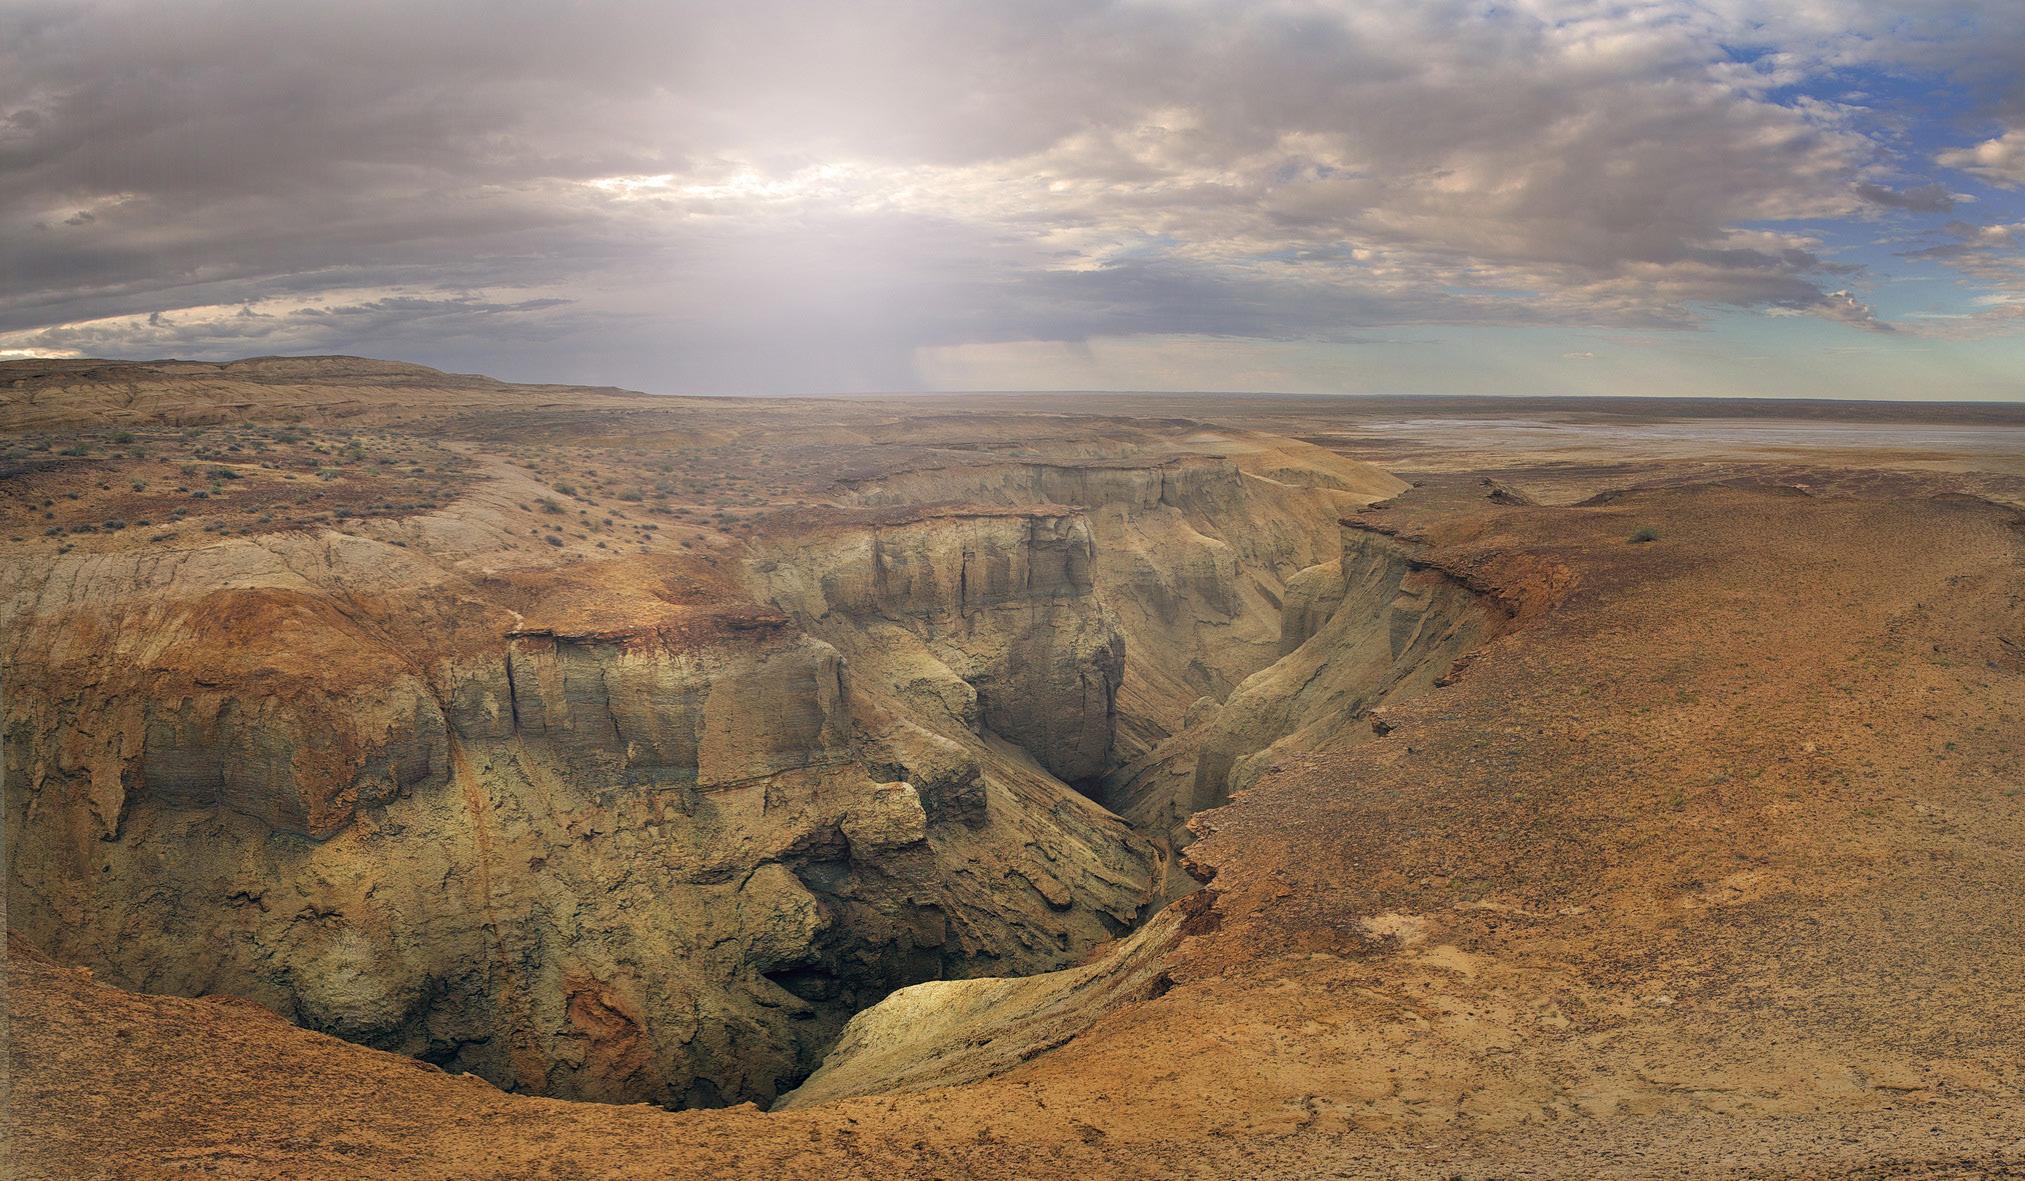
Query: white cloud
[(2000, 160)]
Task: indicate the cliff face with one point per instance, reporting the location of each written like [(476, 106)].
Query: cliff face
[(237, 676), (659, 864), (1376, 625), (1190, 555), (1370, 627), (985, 622)]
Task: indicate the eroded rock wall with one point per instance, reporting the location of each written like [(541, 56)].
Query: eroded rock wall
[(1373, 626), (661, 864), (1189, 554), (988, 622), (1365, 628)]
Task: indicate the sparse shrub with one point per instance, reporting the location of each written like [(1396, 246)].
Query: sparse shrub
[(1642, 535), (555, 541)]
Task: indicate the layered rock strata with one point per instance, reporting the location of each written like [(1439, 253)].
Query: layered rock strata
[(662, 863), (1372, 626)]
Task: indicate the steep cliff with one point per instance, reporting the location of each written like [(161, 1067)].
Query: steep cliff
[(1378, 625), (1371, 626), (980, 621), (1190, 553), (659, 863)]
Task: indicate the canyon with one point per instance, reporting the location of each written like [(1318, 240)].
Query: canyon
[(989, 786)]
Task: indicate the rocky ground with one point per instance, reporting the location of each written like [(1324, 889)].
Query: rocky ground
[(594, 747)]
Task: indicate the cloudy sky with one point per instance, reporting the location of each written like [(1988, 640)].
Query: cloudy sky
[(1801, 197)]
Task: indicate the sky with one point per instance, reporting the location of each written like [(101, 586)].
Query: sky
[(1812, 198)]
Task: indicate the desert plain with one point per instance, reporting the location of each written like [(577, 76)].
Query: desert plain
[(409, 774)]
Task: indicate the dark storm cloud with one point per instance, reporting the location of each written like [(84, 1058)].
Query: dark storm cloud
[(791, 195)]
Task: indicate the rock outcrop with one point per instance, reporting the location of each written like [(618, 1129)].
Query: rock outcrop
[(945, 1033), (986, 621), (1369, 627), (661, 864), (1190, 554)]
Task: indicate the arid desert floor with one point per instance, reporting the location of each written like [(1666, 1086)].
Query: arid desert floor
[(413, 775)]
